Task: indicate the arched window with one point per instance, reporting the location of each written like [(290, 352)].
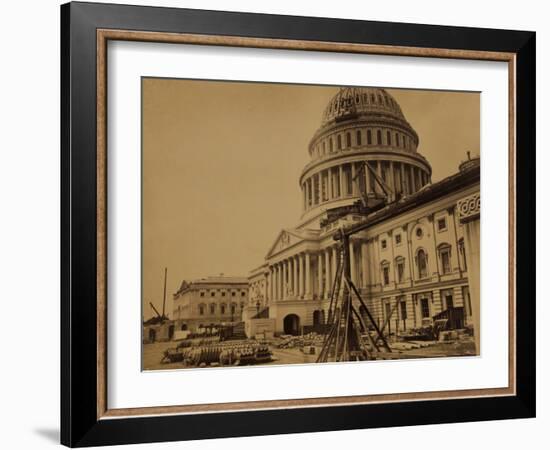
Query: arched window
[(330, 145), (339, 142), (378, 137), (388, 138), (444, 252), (324, 148), (369, 137), (201, 310), (348, 140), (358, 137), (422, 263), (396, 139)]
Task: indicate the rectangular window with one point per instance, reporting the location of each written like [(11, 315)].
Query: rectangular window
[(386, 272), (212, 294), (397, 239), (425, 307), (400, 271), (403, 305), (202, 294), (388, 309), (201, 310), (383, 243), (441, 224), (446, 260)]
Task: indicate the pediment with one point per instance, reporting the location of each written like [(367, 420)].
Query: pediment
[(285, 239)]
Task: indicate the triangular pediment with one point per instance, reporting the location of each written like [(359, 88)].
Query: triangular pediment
[(285, 239)]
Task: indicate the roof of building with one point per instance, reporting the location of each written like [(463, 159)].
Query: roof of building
[(217, 280)]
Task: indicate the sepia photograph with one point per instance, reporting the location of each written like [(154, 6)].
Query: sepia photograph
[(303, 224)]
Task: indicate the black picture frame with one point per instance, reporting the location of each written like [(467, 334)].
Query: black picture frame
[(80, 425)]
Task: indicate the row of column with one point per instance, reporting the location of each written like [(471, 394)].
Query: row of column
[(338, 182), (308, 275)]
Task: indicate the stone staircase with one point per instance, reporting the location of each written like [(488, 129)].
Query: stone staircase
[(238, 331)]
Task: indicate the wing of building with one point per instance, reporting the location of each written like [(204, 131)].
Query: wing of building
[(414, 258)]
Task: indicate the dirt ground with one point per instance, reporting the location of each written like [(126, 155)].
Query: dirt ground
[(152, 354)]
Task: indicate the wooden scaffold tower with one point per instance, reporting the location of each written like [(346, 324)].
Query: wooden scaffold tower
[(351, 324)]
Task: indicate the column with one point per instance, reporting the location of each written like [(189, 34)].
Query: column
[(289, 277), (280, 281), (308, 276), (379, 171), (266, 290), (341, 172), (353, 183), (278, 285), (295, 284), (271, 283), (365, 263), (328, 271), (392, 180), (275, 282), (302, 275), (352, 262), (320, 274), (404, 184), (285, 280)]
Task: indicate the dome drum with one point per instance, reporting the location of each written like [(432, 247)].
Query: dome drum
[(361, 125)]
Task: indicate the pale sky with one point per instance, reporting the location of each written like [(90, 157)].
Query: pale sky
[(221, 162)]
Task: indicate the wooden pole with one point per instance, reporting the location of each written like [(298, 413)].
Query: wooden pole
[(164, 298)]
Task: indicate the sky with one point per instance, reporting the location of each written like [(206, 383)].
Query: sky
[(221, 162)]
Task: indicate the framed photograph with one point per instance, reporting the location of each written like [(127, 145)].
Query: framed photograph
[(276, 224)]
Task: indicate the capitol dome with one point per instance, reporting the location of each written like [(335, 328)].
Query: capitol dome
[(361, 125), (352, 101)]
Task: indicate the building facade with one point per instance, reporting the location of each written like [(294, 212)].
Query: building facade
[(411, 263), (208, 302)]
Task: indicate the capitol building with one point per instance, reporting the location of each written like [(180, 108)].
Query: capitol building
[(419, 256)]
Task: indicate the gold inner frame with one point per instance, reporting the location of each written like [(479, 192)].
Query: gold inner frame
[(103, 36)]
